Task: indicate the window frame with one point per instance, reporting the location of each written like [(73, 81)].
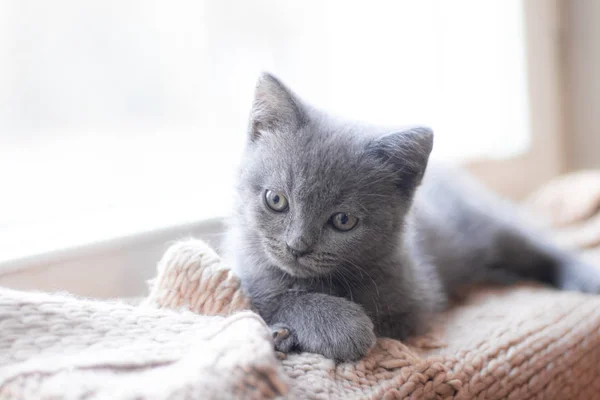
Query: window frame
[(546, 158)]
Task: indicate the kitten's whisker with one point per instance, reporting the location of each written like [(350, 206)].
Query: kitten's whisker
[(364, 285), (348, 287)]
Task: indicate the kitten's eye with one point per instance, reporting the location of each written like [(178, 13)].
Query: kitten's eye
[(276, 201), (343, 222)]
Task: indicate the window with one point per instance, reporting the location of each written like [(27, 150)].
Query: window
[(123, 116)]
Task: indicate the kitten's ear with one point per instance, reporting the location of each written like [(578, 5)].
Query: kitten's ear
[(406, 151), (275, 109)]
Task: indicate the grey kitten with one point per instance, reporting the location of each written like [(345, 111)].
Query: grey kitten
[(340, 235)]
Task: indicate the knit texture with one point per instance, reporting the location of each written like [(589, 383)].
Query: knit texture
[(195, 337)]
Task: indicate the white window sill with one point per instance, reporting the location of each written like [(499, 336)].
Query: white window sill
[(93, 214), (110, 254)]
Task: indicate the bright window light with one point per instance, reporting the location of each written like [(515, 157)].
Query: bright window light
[(117, 116)]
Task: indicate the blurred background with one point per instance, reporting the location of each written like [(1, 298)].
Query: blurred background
[(122, 122)]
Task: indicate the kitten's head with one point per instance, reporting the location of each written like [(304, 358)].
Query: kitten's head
[(316, 193)]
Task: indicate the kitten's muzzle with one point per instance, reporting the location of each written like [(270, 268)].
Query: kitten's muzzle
[(298, 252)]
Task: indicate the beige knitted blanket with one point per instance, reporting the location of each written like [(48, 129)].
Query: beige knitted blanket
[(194, 338)]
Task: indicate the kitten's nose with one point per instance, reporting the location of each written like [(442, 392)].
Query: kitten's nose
[(298, 250)]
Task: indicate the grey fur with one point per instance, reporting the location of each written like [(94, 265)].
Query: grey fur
[(408, 254)]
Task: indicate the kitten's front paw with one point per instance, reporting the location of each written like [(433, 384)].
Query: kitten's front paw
[(319, 323), (283, 338), (355, 344), (348, 335)]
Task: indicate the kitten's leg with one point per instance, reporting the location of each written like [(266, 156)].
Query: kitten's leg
[(318, 323), (501, 252), (472, 236), (527, 254)]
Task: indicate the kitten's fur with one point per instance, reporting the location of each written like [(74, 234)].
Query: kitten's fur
[(409, 252)]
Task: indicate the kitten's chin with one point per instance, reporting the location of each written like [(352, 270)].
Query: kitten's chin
[(295, 272), (294, 267)]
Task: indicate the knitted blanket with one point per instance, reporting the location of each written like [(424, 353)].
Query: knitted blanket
[(195, 337)]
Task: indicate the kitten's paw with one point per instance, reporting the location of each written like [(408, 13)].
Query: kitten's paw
[(584, 286), (581, 277), (283, 338), (359, 340), (346, 338), (590, 286), (361, 335)]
